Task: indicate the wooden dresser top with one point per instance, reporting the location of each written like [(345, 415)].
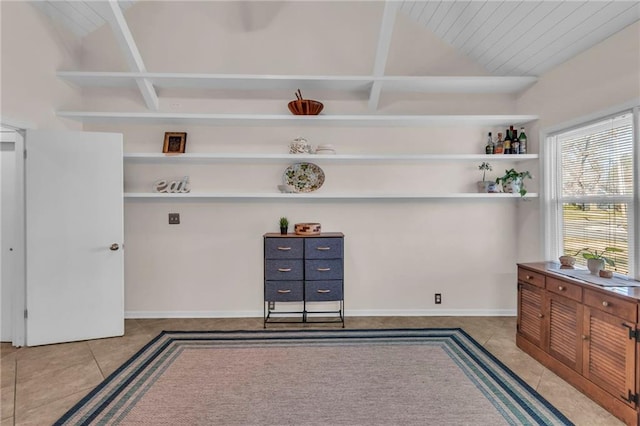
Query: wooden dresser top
[(553, 269)]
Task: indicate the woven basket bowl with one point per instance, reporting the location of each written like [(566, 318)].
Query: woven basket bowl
[(305, 107)]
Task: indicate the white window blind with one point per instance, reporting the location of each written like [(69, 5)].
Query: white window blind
[(595, 189)]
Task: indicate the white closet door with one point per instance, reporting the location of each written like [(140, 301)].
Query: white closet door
[(74, 227)]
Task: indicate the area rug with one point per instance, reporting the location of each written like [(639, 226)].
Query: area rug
[(314, 377)]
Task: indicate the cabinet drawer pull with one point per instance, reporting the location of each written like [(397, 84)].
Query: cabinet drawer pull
[(284, 291), (284, 269), (540, 316), (530, 277), (323, 248), (323, 269), (324, 291), (605, 303), (585, 337), (284, 248), (560, 288)]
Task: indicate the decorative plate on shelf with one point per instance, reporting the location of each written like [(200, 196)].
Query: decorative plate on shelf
[(304, 177)]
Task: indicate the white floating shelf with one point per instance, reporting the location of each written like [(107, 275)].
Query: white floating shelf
[(319, 196), (349, 83), (293, 120), (205, 157)]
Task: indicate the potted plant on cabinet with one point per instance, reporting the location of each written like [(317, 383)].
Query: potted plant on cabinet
[(284, 225), (513, 181), (486, 185), (596, 259)]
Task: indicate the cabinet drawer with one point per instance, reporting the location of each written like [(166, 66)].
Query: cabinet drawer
[(572, 291), (531, 277), (323, 269), (320, 291), (323, 248), (611, 304), (283, 291), (283, 269), (283, 248)]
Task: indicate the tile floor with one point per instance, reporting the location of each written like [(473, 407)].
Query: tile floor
[(39, 384)]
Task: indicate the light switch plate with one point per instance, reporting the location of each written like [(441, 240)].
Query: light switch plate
[(174, 218)]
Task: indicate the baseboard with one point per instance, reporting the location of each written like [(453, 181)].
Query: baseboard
[(348, 313)]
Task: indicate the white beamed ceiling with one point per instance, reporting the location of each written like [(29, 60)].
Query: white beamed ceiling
[(507, 38)]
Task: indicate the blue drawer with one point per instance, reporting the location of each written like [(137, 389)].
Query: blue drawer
[(283, 248), (321, 291), (283, 269), (323, 248), (283, 291), (323, 269)]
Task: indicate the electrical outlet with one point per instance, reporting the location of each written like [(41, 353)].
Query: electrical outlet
[(272, 305), (174, 218), (438, 298)]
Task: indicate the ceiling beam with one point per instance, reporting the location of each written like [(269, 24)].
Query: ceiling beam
[(132, 54), (382, 52)]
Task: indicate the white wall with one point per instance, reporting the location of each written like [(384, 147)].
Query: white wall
[(398, 253), (601, 78)]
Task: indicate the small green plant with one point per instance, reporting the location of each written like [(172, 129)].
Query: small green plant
[(587, 253), (284, 222), (484, 167), (512, 175)]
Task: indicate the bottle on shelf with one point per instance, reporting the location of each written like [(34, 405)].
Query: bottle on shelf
[(507, 142), (489, 148), (499, 146), (523, 141), (515, 142)]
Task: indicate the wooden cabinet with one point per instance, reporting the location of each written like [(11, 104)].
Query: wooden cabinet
[(586, 334), (306, 270)]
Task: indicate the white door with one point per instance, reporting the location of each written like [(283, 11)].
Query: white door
[(8, 231), (74, 228)]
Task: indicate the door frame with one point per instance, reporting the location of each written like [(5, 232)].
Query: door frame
[(20, 283)]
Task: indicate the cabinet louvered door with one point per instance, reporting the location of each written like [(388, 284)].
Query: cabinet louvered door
[(565, 325), (530, 316), (609, 354)]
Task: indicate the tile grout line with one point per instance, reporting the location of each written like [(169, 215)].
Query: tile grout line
[(93, 355)]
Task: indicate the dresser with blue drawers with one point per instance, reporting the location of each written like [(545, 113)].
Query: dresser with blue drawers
[(302, 270)]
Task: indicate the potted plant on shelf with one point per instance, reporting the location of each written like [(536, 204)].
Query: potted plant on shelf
[(284, 225), (486, 185), (513, 181), (596, 259)]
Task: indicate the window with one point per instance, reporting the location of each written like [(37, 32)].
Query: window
[(592, 194)]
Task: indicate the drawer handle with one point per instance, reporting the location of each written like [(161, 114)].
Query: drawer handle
[(284, 269), (560, 288), (284, 291), (530, 277), (324, 291), (585, 337), (323, 248), (284, 248), (323, 269), (540, 316), (605, 303)]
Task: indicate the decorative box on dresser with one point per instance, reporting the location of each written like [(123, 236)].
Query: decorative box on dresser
[(304, 269), (586, 333)]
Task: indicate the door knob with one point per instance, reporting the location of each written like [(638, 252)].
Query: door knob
[(114, 247)]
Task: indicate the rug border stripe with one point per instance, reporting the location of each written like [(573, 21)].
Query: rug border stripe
[(455, 334)]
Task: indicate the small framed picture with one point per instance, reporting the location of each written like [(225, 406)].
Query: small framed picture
[(174, 142)]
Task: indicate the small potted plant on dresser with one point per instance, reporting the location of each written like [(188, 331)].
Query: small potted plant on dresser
[(284, 225), (596, 259), (513, 181)]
